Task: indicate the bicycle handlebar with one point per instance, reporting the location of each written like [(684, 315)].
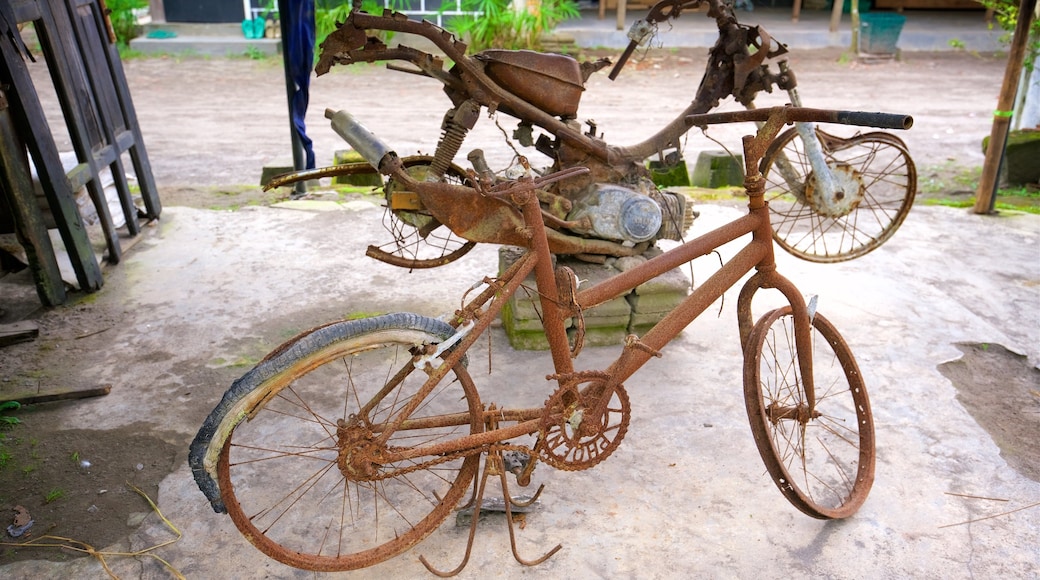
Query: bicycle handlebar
[(806, 115)]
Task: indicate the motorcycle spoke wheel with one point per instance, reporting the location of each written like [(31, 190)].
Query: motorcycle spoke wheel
[(878, 163), (819, 453), (419, 240)]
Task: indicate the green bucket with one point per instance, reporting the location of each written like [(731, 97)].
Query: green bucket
[(879, 32)]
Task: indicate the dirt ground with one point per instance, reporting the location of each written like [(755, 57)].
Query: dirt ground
[(210, 125)]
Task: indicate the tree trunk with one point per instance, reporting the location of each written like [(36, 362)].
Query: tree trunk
[(1005, 105)]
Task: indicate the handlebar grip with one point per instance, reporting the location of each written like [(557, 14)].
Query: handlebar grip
[(881, 120), (804, 115)]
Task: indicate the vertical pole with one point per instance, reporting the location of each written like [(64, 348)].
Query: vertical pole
[(854, 15), (986, 197), (836, 9), (285, 13)]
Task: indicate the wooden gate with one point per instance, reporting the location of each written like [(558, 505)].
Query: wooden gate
[(83, 61)]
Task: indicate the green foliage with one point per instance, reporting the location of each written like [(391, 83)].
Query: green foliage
[(500, 26), (7, 420), (1006, 12), (124, 23), (254, 53), (956, 44)]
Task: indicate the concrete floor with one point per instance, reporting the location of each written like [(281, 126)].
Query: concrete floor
[(686, 494)]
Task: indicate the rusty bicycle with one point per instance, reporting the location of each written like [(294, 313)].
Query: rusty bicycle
[(352, 442)]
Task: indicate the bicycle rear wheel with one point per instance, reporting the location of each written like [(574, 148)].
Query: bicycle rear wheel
[(820, 454), (304, 478), (880, 179)]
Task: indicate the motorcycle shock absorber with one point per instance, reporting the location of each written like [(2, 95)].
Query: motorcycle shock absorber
[(457, 123)]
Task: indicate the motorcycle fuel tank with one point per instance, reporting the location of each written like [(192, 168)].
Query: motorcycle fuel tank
[(551, 82)]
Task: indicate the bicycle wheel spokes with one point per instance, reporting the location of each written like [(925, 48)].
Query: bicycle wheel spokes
[(875, 172), (307, 481), (819, 453)]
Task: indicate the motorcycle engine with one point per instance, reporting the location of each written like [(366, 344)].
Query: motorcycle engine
[(614, 212)]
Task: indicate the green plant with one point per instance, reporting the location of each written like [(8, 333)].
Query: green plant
[(6, 421), (254, 53), (124, 21), (956, 43), (53, 495), (500, 26), (5, 458)]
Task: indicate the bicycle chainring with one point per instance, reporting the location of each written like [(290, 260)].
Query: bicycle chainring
[(569, 438)]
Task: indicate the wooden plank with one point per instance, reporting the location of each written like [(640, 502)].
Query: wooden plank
[(51, 394), (24, 331), (26, 10), (17, 190), (79, 107), (92, 38), (138, 152)]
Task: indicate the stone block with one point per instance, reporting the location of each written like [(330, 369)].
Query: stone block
[(664, 175), (718, 169), (606, 324), (672, 282), (344, 156)]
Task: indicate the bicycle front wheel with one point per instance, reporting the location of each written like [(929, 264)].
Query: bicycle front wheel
[(819, 453), (878, 179), (305, 479)]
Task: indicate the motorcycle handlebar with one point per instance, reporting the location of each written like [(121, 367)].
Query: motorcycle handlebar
[(806, 115)]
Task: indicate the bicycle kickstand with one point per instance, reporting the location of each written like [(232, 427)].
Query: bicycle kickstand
[(494, 465)]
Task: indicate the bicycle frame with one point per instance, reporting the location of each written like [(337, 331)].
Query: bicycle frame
[(756, 254)]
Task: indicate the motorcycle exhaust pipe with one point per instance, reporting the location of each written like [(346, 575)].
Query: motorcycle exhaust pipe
[(360, 138)]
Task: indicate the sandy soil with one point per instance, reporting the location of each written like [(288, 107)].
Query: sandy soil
[(210, 126)]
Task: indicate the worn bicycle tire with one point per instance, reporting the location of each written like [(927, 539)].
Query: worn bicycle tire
[(280, 377)]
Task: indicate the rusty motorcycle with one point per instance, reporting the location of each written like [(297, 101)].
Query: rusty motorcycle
[(832, 198)]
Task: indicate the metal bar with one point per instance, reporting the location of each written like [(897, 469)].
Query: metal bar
[(690, 308), (705, 244)]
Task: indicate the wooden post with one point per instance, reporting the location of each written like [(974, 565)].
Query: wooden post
[(986, 194), (854, 15), (836, 9)]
